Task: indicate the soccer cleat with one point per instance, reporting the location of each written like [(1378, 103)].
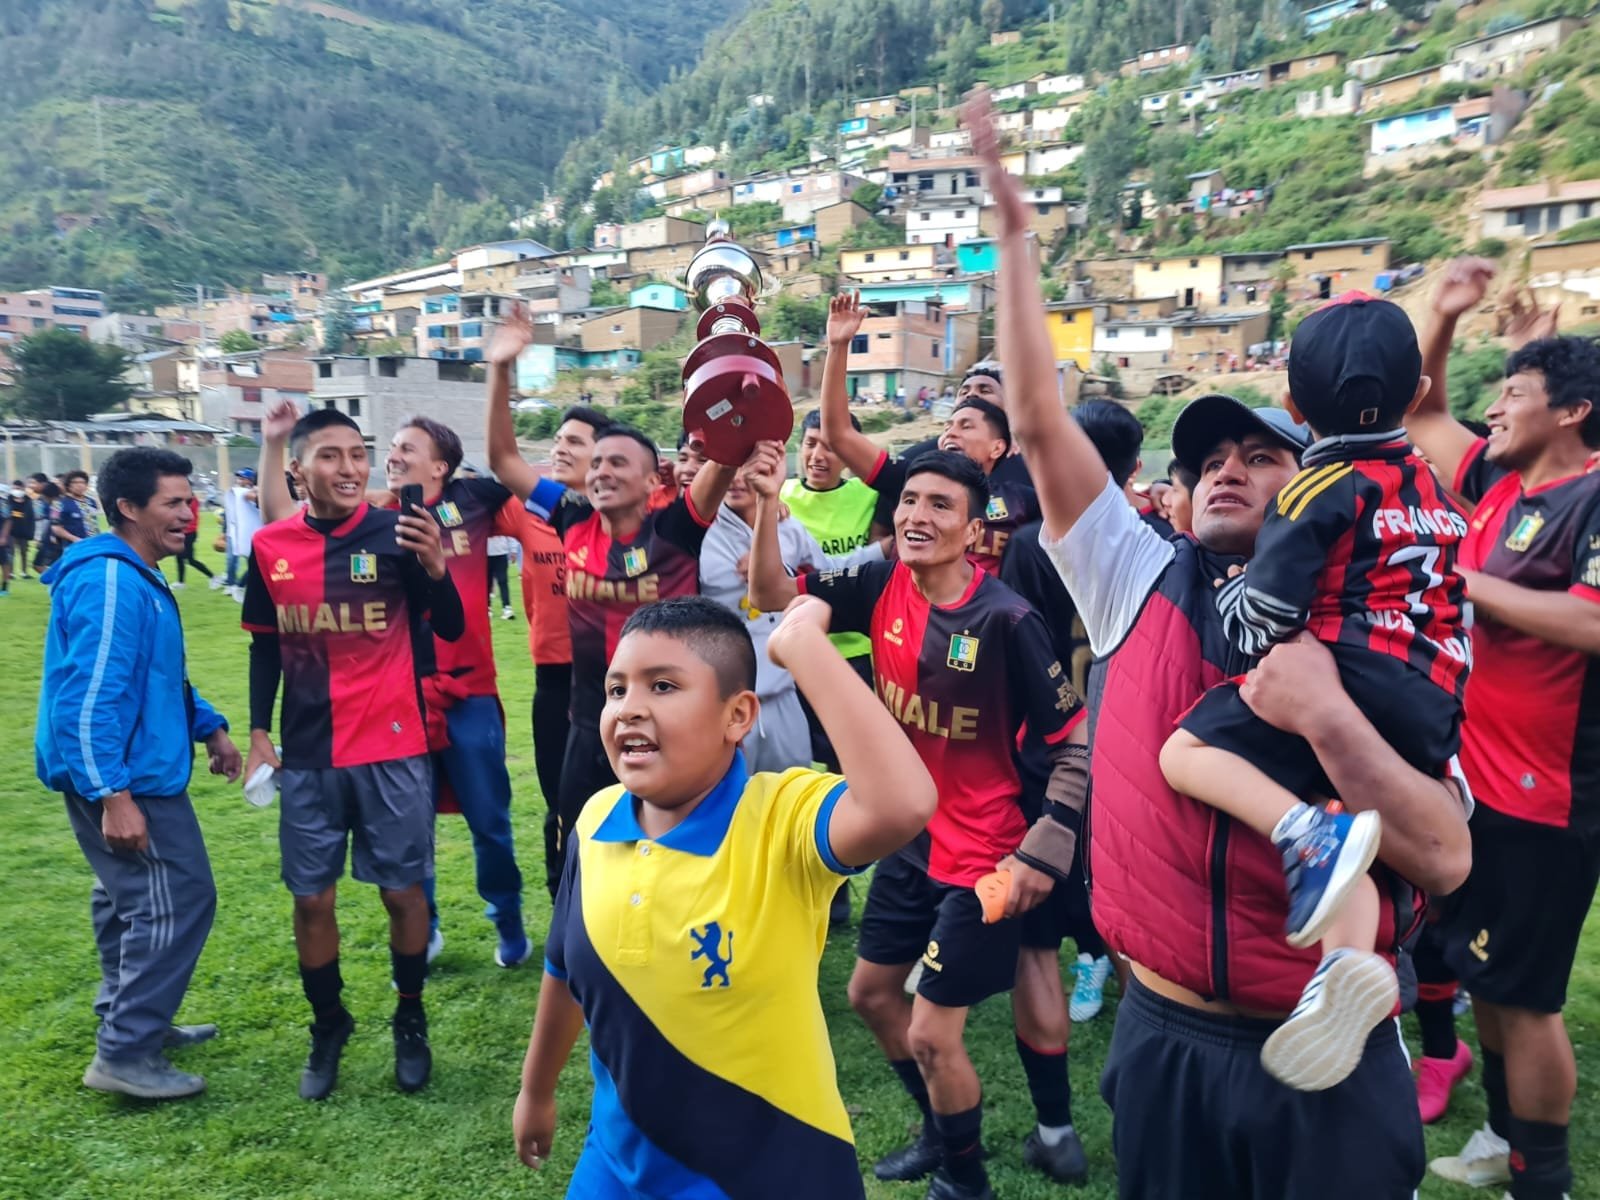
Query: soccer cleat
[(910, 1163), (178, 1036), (435, 943), (993, 889), (506, 614), (1485, 1160), (177, 585), (1065, 1162), (1324, 1038), (1437, 1078), (514, 946), (152, 1078), (945, 1188), (1089, 987), (1325, 856), (413, 1059), (321, 1073)]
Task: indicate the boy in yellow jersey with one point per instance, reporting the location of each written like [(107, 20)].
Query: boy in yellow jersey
[(692, 913)]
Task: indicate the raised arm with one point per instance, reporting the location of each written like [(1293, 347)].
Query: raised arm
[(272, 489), (772, 588), (1067, 470), (1445, 440), (711, 484), (891, 796), (1296, 688), (854, 448), (514, 335)]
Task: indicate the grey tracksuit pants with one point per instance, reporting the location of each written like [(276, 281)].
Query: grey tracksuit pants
[(152, 912)]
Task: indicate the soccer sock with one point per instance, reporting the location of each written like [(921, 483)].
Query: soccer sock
[(1049, 1086), (322, 986), (410, 973), (1288, 824), (1494, 1088), (1540, 1169), (917, 1088), (961, 1136), (1436, 1019)]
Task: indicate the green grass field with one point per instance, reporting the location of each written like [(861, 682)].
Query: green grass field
[(250, 1136)]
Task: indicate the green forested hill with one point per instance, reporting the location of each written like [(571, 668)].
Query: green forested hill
[(209, 140)]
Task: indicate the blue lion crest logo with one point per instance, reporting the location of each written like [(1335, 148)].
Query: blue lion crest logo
[(710, 949)]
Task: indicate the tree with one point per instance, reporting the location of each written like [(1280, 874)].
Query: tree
[(792, 319), (337, 323), (236, 341), (63, 377), (1169, 182)]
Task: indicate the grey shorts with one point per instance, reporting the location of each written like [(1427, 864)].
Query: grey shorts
[(385, 808)]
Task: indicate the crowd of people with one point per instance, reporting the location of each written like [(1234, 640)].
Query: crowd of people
[(1306, 734)]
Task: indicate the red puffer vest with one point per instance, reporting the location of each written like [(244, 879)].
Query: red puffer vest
[(1177, 886)]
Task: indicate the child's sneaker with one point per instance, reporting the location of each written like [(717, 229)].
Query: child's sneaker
[(1323, 1039), (1088, 987), (1437, 1078), (1324, 857)]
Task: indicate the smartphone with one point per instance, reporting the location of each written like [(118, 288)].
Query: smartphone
[(410, 495)]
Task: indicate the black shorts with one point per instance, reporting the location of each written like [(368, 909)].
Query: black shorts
[(1195, 1115), (1064, 914), (1511, 932), (1420, 720), (585, 770), (909, 916)]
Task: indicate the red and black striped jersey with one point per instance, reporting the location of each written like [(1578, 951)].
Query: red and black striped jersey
[(1012, 504), (349, 608), (1359, 549), (608, 578), (1531, 741), (469, 512), (961, 679)]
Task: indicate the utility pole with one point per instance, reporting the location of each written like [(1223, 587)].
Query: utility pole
[(100, 142)]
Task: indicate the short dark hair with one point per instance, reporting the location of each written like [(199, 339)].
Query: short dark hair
[(1571, 370), (618, 429), (813, 420), (717, 635), (50, 489), (991, 369), (1182, 476), (1116, 434), (316, 421), (445, 440), (39, 477), (588, 415), (957, 468), (992, 413), (133, 475), (72, 475)]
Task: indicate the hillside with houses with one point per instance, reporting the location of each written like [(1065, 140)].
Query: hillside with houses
[(1188, 217)]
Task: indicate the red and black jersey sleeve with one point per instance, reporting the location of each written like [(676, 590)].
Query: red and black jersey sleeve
[(679, 524), (1273, 597), (852, 594), (1041, 685), (1476, 474), (1586, 554)]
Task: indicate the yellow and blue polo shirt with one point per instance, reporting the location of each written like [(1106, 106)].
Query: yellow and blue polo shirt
[(694, 958)]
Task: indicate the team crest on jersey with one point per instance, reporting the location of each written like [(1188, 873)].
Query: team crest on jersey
[(449, 515), (634, 561), (281, 572), (1527, 529), (963, 652), (996, 510), (363, 568)]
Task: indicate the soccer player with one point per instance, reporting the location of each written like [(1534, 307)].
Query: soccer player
[(977, 428), (468, 734), (782, 737), (692, 916), (344, 602), (1360, 551), (1531, 741), (115, 735), (1194, 900), (620, 553), (544, 599), (962, 662)]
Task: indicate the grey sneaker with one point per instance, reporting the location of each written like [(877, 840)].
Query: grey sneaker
[(179, 1036), (152, 1078)]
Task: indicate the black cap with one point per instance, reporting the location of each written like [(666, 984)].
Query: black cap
[(1354, 365), (1207, 420)]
